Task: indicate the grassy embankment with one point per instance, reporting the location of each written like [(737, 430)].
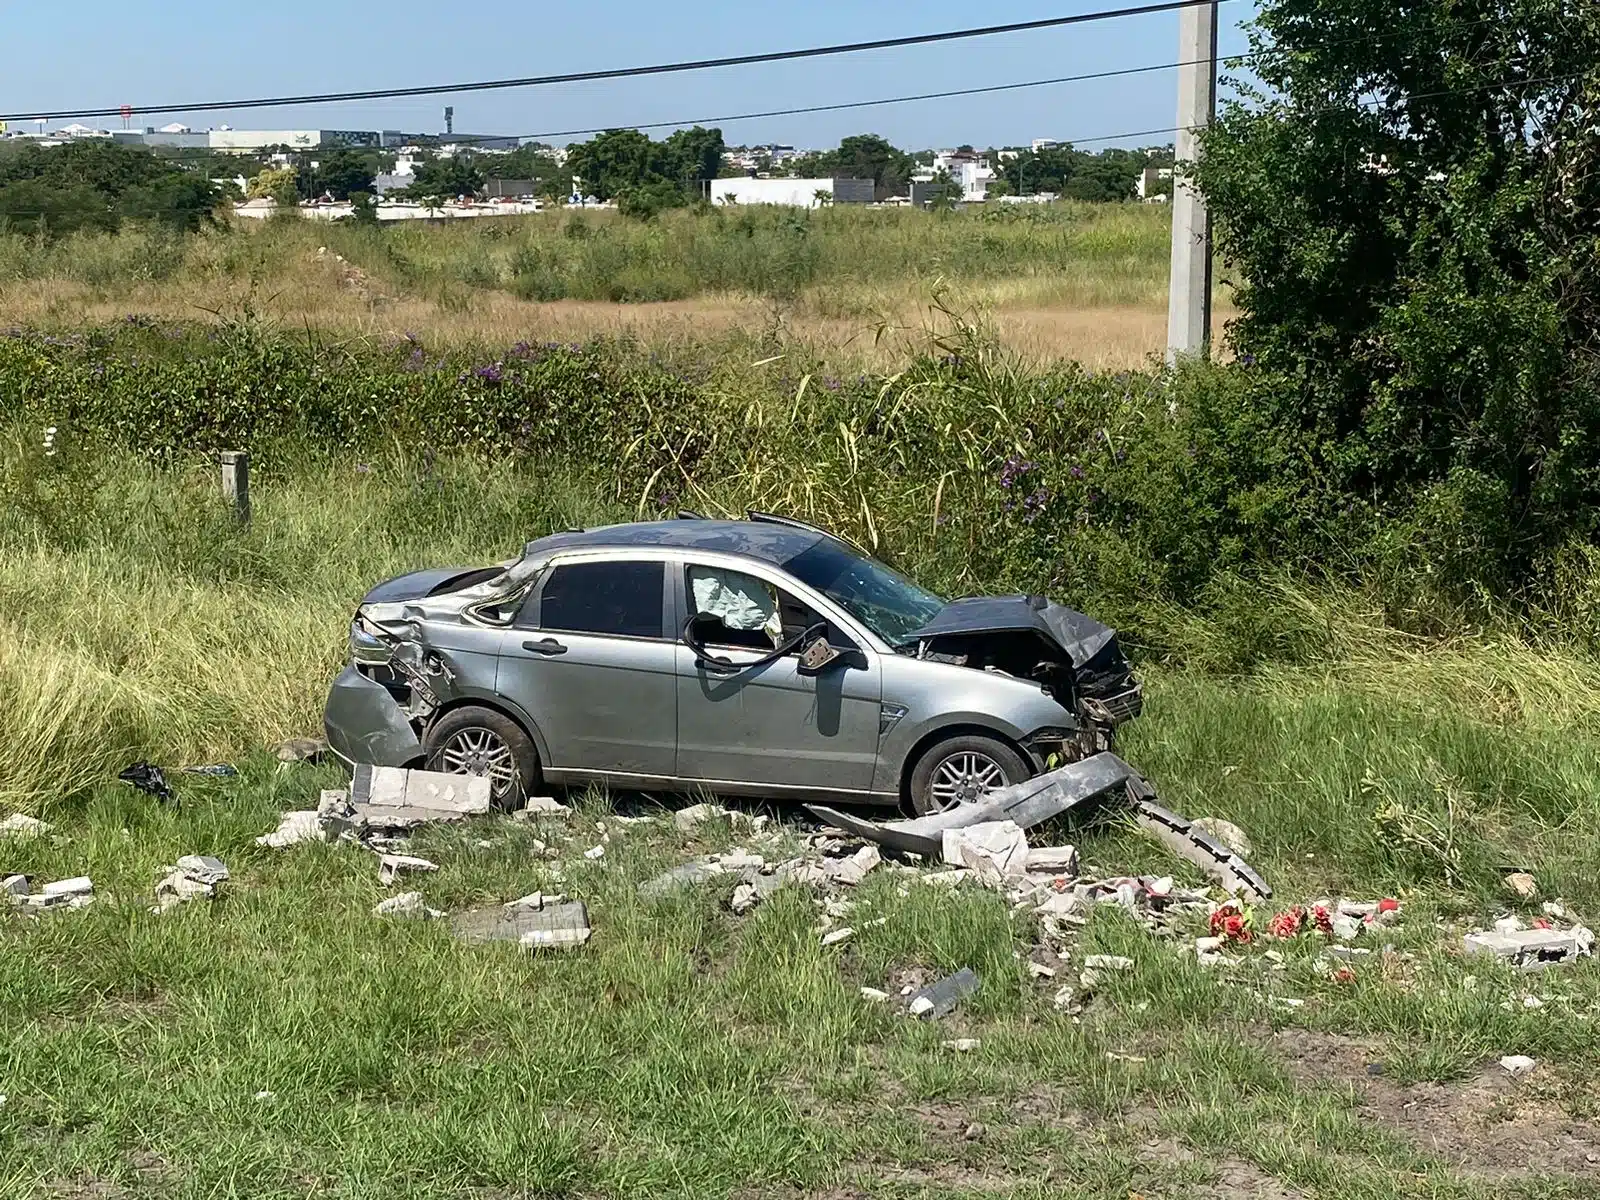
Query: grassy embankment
[(282, 1042), (1085, 281)]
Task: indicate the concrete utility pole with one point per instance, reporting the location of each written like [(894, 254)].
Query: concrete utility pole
[(1189, 292)]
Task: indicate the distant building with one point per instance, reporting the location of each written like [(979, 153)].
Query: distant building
[(968, 169), (797, 193), (1148, 185)]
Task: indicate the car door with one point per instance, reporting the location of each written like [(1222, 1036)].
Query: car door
[(766, 723), (591, 660)]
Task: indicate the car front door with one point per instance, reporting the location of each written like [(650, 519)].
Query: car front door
[(750, 722), (591, 659)]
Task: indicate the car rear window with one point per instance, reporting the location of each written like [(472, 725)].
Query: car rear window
[(619, 599)]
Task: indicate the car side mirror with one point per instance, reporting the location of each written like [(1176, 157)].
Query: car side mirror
[(817, 656)]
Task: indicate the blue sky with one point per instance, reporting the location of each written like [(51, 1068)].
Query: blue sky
[(96, 53)]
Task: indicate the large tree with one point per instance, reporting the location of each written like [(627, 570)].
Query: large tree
[(445, 178), (96, 184), (1410, 203), (614, 162), (868, 156), (342, 173)]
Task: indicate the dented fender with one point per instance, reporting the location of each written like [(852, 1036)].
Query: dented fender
[(365, 724)]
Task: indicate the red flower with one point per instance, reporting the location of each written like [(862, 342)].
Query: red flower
[(1323, 919), (1287, 924), (1344, 975)]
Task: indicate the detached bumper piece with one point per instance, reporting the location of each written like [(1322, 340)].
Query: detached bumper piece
[(1049, 795)]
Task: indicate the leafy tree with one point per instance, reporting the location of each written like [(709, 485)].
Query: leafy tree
[(533, 162), (342, 173), (278, 183), (651, 198), (868, 156), (943, 192), (96, 185), (692, 155), (613, 162), (1414, 218), (445, 179)]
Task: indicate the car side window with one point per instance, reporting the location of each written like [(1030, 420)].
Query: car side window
[(753, 614), (615, 599)]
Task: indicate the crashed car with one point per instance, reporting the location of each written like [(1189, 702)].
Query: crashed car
[(761, 657)]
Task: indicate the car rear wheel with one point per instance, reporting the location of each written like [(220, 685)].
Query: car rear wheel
[(963, 770), (480, 741)]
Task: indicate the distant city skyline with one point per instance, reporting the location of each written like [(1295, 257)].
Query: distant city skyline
[(80, 56)]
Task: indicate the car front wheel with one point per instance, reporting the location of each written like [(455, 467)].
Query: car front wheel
[(481, 741), (963, 770)]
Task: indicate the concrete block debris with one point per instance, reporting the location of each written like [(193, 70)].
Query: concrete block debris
[(961, 1045), (1053, 860), (550, 926), (1532, 949), (293, 828), (406, 904), (542, 806), (65, 893), (1517, 1064), (835, 937), (874, 995), (193, 877), (690, 819), (679, 878), (14, 885), (306, 750), (391, 866), (940, 999), (21, 826), (378, 793), (1521, 885), (997, 852)]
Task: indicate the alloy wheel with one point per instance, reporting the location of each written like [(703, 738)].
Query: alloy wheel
[(964, 778), (481, 752)]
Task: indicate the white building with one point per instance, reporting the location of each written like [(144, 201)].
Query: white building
[(800, 193), (969, 169), (1149, 183)]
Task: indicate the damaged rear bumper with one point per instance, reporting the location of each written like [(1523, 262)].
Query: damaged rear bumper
[(365, 724)]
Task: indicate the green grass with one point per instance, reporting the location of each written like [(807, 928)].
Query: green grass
[(687, 1052)]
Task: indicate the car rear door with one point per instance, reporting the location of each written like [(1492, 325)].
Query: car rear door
[(591, 659), (770, 725)]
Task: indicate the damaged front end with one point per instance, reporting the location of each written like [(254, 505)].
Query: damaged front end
[(1075, 658), (416, 644)]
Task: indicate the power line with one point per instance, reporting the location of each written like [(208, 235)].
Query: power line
[(924, 39)]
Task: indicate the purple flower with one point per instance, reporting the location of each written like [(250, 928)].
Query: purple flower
[(831, 384), (1035, 504), (1076, 472), (1248, 360), (363, 469), (490, 374), (1014, 469)]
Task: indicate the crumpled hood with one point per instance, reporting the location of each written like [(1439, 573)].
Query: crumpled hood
[(1082, 638), (417, 585)]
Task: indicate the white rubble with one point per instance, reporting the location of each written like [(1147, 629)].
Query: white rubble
[(997, 851), (392, 865), (836, 936), (407, 904), (293, 828), (22, 826), (1517, 1064)]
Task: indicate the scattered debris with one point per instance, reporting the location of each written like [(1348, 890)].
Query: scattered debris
[(194, 877), (307, 750), (21, 826), (745, 897), (940, 999), (392, 865), (696, 815), (836, 936), (392, 798), (1521, 884), (1189, 842), (997, 851), (851, 871), (542, 806), (595, 852), (1108, 962), (148, 779), (15, 885), (407, 904), (1039, 971), (678, 878), (1532, 949), (1517, 1064), (66, 893), (1053, 860), (553, 926), (293, 828), (874, 995), (961, 1045), (1226, 832), (214, 770)]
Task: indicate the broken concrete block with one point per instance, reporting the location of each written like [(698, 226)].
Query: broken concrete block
[(836, 936), (432, 791), (22, 826), (595, 852), (1039, 971), (14, 885), (542, 806), (178, 888), (940, 999), (691, 818), (678, 878), (1530, 949), (1053, 860), (1226, 832), (553, 926), (392, 865), (874, 996), (1517, 1064), (1108, 962), (293, 828), (851, 871), (961, 1045), (739, 860), (79, 886), (407, 904), (202, 868), (997, 852), (534, 900), (1521, 885), (745, 898)]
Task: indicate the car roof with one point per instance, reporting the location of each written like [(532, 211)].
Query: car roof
[(763, 540)]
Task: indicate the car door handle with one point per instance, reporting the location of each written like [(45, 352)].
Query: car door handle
[(547, 646)]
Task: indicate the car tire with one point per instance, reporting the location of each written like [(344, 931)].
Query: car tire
[(961, 770), (482, 735)]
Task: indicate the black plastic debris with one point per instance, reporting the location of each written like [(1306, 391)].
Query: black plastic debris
[(940, 999), (149, 780)]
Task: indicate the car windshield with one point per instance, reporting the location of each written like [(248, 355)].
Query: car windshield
[(885, 601)]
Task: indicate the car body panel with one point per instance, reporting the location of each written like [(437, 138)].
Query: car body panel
[(416, 585), (365, 724)]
